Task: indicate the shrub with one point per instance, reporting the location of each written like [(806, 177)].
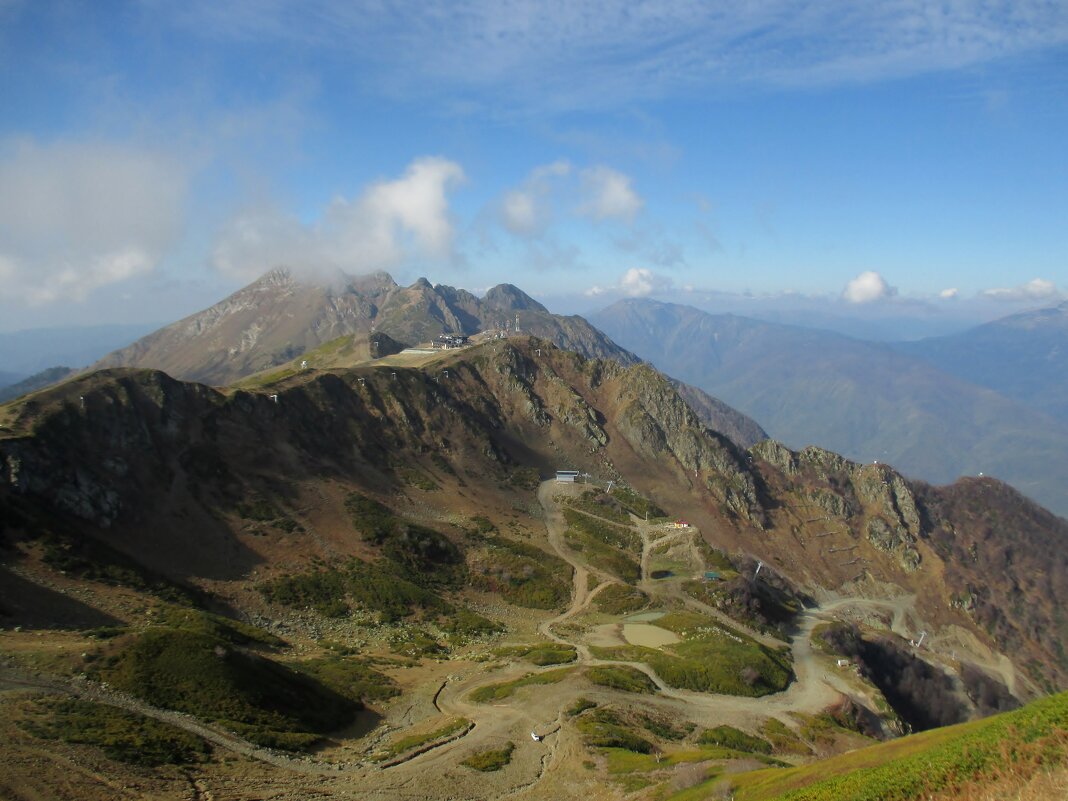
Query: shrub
[(523, 574), (710, 658), (416, 740), (491, 759), (122, 735), (730, 737), (622, 677), (207, 677), (541, 654), (498, 692), (620, 599), (602, 728), (350, 677)]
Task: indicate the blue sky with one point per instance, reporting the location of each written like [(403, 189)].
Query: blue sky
[(866, 159)]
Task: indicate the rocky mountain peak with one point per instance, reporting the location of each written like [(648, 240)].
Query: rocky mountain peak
[(508, 297)]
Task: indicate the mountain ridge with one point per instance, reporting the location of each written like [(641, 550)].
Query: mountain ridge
[(281, 315), (865, 400)]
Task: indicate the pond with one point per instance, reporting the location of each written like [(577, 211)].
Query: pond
[(648, 635)]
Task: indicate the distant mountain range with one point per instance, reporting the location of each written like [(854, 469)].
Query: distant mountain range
[(1024, 357), (865, 400)]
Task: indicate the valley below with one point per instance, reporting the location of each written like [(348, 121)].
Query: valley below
[(366, 583)]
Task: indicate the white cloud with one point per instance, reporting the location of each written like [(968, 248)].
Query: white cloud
[(637, 282), (608, 52), (391, 221), (1037, 289), (867, 287), (949, 294), (77, 216), (608, 194), (527, 210)]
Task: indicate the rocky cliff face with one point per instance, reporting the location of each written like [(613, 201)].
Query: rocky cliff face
[(977, 546)]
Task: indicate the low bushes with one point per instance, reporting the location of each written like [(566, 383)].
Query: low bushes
[(502, 690), (122, 735), (621, 677), (205, 676), (490, 759)]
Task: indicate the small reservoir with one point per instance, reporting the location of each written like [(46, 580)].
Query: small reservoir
[(648, 635)]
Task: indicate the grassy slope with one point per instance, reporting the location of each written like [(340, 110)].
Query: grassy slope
[(916, 767)]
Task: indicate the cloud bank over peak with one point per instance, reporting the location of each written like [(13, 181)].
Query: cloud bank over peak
[(390, 222)]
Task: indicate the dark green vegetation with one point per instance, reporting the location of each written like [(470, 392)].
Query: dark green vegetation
[(767, 603), (736, 739), (261, 510), (376, 587), (416, 740), (541, 653), (596, 503), (206, 676), (604, 728), (490, 759), (1018, 743), (636, 504), (620, 599), (223, 628), (502, 690), (710, 658), (522, 574), (604, 545), (621, 677), (122, 735), (923, 695), (417, 478), (416, 565), (415, 550), (525, 478), (580, 706), (461, 625), (90, 559), (349, 676)]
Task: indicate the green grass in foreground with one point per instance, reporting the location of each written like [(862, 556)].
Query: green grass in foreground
[(123, 736), (1026, 740), (490, 759), (621, 677), (497, 692)]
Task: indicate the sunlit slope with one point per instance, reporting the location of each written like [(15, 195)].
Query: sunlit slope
[(953, 762)]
